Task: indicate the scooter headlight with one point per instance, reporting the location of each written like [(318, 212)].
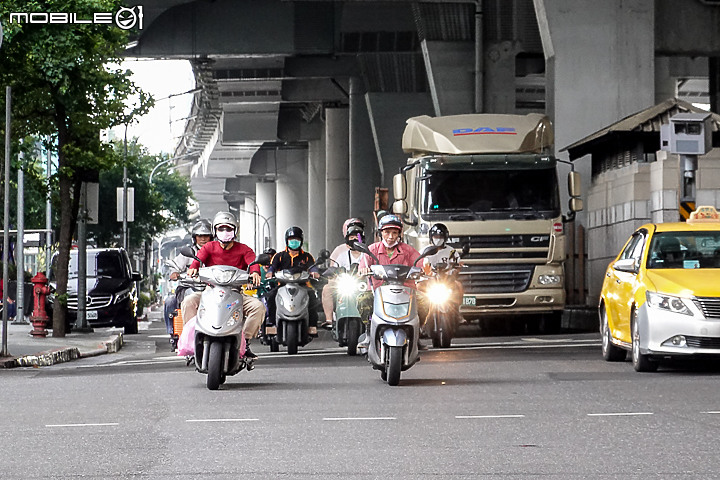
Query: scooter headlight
[(396, 310), (347, 285), (438, 293), (234, 318), (224, 276)]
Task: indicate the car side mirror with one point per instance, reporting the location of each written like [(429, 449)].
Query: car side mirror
[(625, 265), (136, 277)]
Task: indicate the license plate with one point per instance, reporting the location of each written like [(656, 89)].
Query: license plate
[(468, 300), (91, 314)]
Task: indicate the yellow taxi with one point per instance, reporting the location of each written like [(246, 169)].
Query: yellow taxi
[(661, 295)]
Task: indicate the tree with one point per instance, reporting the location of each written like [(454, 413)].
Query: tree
[(64, 87), (158, 206)]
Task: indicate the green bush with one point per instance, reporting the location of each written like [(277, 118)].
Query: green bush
[(144, 300)]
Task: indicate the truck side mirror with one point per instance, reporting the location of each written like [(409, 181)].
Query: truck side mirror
[(576, 204), (400, 207), (574, 184), (399, 187)]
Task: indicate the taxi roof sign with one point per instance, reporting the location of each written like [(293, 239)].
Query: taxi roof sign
[(704, 214)]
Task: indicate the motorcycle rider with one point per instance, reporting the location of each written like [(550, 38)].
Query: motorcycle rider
[(391, 250), (293, 257), (201, 233), (353, 229), (438, 236), (226, 251)]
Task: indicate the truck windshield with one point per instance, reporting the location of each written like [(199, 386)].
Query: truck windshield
[(525, 194)]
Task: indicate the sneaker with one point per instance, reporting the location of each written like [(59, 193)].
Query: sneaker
[(248, 352), (312, 331)]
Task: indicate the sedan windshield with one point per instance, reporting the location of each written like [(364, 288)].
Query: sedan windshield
[(684, 250), (518, 194)]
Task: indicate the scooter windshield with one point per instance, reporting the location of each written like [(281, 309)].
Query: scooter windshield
[(394, 272)]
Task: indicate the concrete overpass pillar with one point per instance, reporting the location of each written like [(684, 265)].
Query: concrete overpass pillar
[(315, 236), (450, 71), (364, 170), (265, 198), (246, 218), (388, 113), (337, 171), (291, 194)]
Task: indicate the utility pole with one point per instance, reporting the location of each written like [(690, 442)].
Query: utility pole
[(6, 221), (20, 245), (125, 194)]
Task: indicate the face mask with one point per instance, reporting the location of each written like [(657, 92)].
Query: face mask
[(294, 244), (225, 236), (438, 241), (392, 245)]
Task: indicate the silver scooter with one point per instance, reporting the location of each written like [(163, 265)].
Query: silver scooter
[(395, 324), (219, 323)]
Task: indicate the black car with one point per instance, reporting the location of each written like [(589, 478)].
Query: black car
[(111, 289)]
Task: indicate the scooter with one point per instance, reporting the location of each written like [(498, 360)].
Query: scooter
[(348, 322), (219, 339), (444, 314), (292, 309), (394, 325)]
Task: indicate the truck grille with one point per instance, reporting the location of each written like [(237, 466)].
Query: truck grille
[(479, 279), (524, 246), (93, 302), (703, 342), (710, 306)]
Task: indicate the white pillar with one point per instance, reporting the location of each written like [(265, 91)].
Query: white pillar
[(291, 191), (246, 218), (315, 236), (337, 188), (265, 198)]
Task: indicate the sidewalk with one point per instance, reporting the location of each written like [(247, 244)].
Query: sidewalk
[(26, 350)]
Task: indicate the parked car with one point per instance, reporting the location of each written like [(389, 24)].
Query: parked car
[(112, 295), (661, 295)]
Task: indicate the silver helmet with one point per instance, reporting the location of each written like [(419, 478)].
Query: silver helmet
[(224, 218)]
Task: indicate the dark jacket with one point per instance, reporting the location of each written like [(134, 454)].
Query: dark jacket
[(291, 259)]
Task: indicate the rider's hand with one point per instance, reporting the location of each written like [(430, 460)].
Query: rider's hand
[(364, 271), (255, 278), (268, 275), (192, 272), (174, 276), (315, 275)]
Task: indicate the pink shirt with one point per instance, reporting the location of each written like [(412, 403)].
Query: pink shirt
[(239, 255), (403, 254)]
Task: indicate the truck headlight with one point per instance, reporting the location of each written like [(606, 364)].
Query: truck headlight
[(667, 302), (548, 279)]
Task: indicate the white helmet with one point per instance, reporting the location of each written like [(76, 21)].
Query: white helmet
[(224, 218)]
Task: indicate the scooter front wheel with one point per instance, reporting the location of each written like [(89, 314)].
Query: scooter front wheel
[(215, 374), (292, 338), (394, 365), (353, 333)]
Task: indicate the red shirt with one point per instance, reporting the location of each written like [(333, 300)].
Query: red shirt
[(403, 254), (239, 255)]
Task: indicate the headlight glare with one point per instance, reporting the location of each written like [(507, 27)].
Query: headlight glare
[(667, 302), (347, 285), (438, 293)]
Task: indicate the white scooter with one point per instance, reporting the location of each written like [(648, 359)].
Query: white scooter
[(219, 340), (395, 324)]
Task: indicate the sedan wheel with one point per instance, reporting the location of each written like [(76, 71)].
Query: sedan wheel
[(610, 352), (642, 363)]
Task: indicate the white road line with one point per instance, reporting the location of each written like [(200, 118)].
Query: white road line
[(713, 413), (463, 417), (203, 420), (625, 414), (342, 419), (84, 425)]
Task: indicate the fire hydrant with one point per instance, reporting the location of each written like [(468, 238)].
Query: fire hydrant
[(39, 317)]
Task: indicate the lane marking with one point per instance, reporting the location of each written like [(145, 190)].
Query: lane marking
[(713, 413), (341, 419), (208, 420), (83, 425), (625, 414), (462, 417)]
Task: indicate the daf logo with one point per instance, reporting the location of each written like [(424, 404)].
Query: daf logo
[(485, 131), (539, 238)]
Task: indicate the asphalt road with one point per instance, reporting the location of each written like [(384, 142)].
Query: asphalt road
[(501, 407)]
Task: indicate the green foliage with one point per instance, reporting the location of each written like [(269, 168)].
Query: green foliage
[(144, 300), (159, 206)]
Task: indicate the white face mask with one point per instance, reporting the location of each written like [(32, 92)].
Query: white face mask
[(393, 245), (225, 236), (438, 241)]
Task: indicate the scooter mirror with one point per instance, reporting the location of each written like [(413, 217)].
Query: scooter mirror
[(262, 259), (465, 249), (429, 250), (356, 246), (324, 255), (188, 252)]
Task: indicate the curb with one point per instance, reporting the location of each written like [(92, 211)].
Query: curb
[(61, 355)]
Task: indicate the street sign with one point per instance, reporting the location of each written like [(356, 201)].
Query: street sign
[(130, 202)]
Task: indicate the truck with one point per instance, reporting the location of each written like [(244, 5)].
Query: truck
[(492, 180)]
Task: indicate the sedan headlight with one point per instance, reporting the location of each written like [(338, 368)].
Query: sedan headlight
[(438, 293), (396, 310), (667, 302), (122, 296)]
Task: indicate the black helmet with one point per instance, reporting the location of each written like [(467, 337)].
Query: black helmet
[(439, 230), (294, 232), (270, 251), (354, 230)]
